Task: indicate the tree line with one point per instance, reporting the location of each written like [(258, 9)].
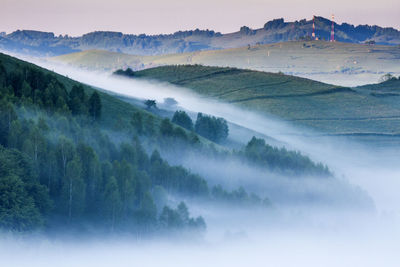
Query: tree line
[(257, 151)]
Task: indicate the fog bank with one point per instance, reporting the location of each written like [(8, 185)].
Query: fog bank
[(278, 249)]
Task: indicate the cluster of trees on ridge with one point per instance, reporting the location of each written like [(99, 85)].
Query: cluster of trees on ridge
[(128, 72), (210, 127), (258, 153)]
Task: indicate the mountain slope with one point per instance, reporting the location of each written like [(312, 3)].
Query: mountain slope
[(273, 31), (74, 158)]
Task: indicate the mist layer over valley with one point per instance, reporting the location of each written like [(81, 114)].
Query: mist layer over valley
[(342, 155), (310, 220)]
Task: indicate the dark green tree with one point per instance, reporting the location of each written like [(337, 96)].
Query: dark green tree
[(150, 103), (23, 201), (77, 100), (181, 118), (17, 208), (212, 128)]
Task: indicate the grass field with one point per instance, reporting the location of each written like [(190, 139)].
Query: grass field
[(338, 63), (367, 110)]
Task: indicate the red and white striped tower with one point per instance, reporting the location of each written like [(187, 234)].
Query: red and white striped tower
[(333, 29), (313, 28)]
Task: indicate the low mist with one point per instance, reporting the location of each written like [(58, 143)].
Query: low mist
[(280, 248)]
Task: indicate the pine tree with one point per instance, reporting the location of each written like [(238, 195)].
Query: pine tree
[(181, 118)]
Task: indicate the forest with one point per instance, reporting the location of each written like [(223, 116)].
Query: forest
[(63, 165)]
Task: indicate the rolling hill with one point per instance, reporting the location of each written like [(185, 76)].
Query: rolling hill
[(339, 63), (370, 110)]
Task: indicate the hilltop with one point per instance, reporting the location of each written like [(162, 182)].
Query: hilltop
[(46, 43)]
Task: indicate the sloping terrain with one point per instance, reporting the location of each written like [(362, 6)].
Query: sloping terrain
[(188, 41), (363, 111), (73, 157), (339, 63)]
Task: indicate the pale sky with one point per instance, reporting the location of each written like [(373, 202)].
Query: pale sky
[(75, 17)]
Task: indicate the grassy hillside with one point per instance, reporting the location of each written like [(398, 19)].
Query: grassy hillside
[(338, 63), (327, 108)]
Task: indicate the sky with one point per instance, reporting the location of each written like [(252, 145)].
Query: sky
[(76, 17)]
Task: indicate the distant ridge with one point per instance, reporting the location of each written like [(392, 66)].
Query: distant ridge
[(277, 30)]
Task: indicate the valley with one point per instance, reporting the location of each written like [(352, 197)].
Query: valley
[(202, 142)]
